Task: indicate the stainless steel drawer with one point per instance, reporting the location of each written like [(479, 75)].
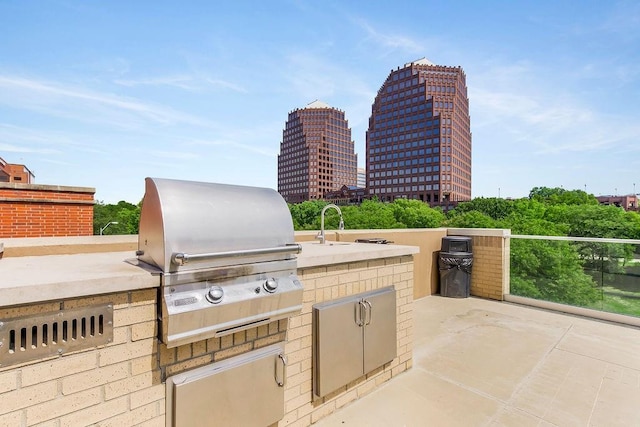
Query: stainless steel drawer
[(245, 390)]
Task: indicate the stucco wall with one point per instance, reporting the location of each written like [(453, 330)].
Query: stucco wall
[(425, 279)]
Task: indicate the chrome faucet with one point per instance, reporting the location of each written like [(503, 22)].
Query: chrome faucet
[(321, 235)]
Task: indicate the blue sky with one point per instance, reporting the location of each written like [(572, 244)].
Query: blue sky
[(104, 93)]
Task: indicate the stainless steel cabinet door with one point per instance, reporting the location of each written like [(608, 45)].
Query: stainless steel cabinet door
[(239, 391), (380, 328), (338, 348)]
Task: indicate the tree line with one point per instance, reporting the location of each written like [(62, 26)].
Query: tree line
[(547, 212)]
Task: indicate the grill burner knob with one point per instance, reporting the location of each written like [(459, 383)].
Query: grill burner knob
[(215, 294), (270, 285)]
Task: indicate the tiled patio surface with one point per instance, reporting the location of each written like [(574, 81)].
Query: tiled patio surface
[(486, 363)]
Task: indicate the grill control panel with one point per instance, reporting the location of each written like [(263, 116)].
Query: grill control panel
[(230, 292), (210, 308)]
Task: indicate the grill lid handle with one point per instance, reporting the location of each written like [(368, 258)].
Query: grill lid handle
[(183, 258)]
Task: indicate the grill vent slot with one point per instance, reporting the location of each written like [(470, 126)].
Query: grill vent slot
[(23, 339)]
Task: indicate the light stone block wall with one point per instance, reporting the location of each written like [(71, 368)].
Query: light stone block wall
[(122, 383), (113, 385), (328, 283), (119, 384), (490, 271)]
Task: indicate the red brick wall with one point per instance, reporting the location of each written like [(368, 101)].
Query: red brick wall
[(30, 210)]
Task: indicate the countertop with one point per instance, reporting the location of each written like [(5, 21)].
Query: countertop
[(34, 279), (31, 279), (315, 254)]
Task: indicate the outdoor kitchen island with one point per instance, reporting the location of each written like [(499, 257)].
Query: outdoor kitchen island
[(79, 336)]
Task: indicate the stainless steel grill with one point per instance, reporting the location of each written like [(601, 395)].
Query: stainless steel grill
[(226, 256)]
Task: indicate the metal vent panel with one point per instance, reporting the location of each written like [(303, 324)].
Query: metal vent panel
[(23, 339)]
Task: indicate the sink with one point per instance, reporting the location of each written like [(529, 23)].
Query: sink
[(331, 243)]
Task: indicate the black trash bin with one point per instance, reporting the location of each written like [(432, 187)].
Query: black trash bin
[(454, 262)]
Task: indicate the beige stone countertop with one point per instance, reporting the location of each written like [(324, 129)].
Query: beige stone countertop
[(32, 279), (315, 254)]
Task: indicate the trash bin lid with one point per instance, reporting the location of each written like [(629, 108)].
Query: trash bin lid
[(456, 244), (458, 255)]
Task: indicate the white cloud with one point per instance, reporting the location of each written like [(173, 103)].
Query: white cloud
[(227, 85), (185, 82), (23, 149), (181, 82), (58, 100), (231, 144), (389, 41), (314, 77), (176, 155), (521, 105), (55, 162), (311, 77)]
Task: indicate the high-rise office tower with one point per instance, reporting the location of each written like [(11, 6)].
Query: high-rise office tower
[(316, 153), (419, 137), (362, 178)]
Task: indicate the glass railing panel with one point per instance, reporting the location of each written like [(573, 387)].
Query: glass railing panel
[(602, 274)]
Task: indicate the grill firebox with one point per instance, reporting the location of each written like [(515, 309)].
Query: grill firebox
[(225, 254)]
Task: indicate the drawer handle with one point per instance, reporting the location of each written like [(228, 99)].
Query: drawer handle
[(281, 369)]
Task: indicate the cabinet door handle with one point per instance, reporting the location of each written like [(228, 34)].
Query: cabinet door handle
[(281, 369), (361, 313), (368, 310)]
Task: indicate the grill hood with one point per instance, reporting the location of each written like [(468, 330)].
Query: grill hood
[(187, 225)]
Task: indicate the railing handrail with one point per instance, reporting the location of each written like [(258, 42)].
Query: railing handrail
[(576, 239)]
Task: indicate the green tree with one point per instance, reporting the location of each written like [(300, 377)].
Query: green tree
[(127, 216), (306, 215), (492, 207), (416, 214), (550, 270), (472, 219), (602, 221), (561, 196), (371, 214)]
